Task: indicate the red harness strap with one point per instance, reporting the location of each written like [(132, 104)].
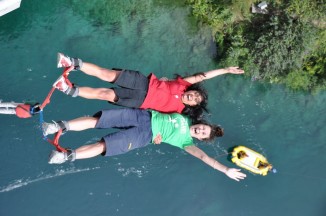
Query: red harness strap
[(47, 99), (65, 75), (55, 141)]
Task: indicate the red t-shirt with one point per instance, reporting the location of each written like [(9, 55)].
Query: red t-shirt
[(165, 96)]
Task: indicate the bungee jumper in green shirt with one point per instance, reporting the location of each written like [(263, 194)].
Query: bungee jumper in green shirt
[(138, 129)]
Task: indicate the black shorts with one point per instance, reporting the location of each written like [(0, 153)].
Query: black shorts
[(133, 88)]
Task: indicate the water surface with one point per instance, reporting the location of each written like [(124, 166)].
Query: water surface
[(161, 37)]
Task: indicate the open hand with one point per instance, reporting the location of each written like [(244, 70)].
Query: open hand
[(157, 139), (234, 70), (235, 174)]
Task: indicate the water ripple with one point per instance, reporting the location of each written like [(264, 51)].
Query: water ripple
[(24, 182)]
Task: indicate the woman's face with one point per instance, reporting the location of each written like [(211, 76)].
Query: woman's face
[(191, 98), (200, 131)]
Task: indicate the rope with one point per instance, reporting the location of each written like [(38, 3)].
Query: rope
[(65, 76), (47, 100), (55, 141), (220, 155)]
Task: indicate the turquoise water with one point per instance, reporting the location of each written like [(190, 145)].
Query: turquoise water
[(161, 37)]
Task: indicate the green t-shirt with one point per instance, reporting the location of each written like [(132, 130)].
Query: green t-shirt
[(174, 129)]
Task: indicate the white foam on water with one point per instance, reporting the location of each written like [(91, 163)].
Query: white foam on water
[(27, 181)]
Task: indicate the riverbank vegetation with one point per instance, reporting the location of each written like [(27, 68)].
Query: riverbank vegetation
[(283, 43)]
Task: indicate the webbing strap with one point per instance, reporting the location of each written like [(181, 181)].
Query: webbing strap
[(47, 99), (65, 74), (55, 141)]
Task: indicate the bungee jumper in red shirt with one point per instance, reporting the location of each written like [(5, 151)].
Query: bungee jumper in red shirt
[(182, 95)]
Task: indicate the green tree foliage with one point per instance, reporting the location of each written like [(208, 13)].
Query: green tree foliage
[(219, 16), (286, 45), (281, 46)]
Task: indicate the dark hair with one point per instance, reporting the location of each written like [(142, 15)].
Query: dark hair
[(216, 130), (196, 112)]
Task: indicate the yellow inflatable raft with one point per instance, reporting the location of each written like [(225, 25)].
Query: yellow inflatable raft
[(251, 160)]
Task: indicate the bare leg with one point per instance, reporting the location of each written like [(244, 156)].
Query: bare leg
[(92, 150), (82, 123), (99, 72), (97, 93), (83, 152)]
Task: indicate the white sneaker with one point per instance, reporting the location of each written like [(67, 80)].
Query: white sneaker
[(57, 157), (50, 128), (63, 61), (61, 84)]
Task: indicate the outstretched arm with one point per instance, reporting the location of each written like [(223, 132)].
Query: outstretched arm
[(213, 73), (230, 172)]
